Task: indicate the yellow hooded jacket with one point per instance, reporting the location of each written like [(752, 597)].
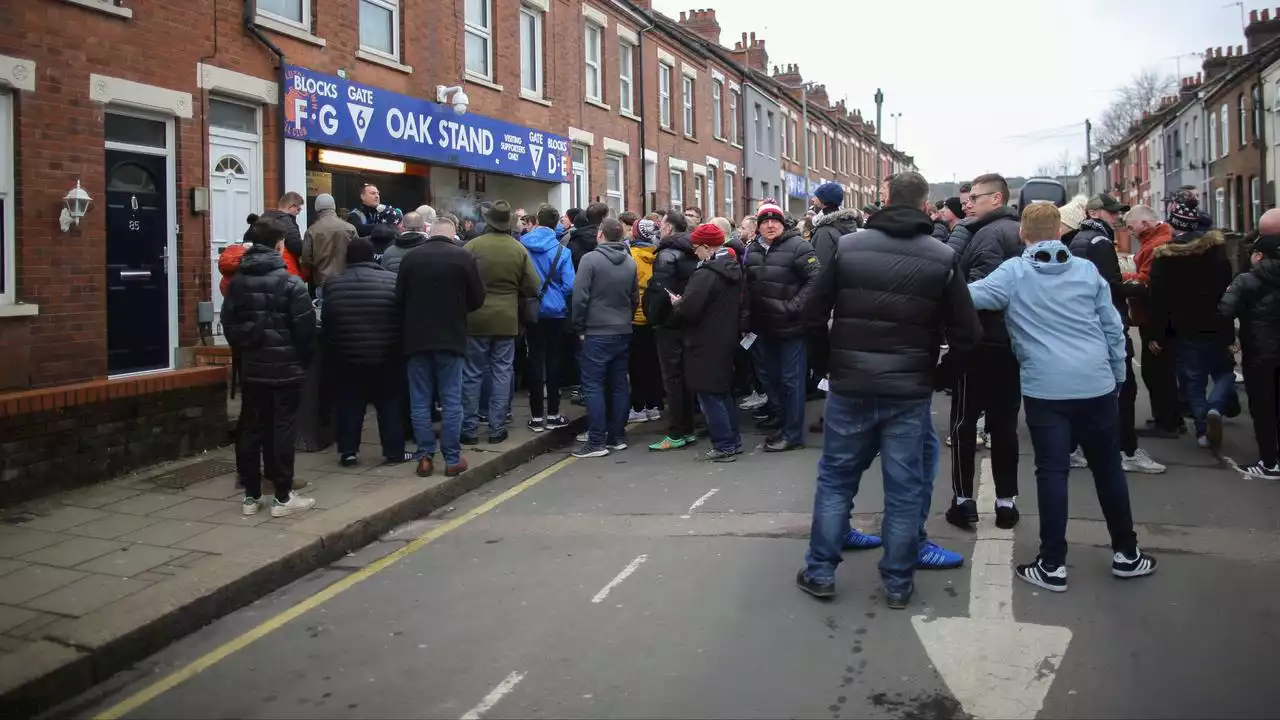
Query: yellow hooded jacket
[(644, 257)]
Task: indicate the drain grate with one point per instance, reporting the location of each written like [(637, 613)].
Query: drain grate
[(195, 472)]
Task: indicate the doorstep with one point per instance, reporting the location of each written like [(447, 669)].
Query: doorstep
[(95, 579)]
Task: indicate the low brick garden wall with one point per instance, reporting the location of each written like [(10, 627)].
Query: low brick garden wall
[(66, 436)]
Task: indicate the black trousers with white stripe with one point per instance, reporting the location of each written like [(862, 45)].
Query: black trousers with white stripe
[(988, 383)]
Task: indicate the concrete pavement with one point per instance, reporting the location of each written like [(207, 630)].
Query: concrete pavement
[(97, 578), (591, 594)]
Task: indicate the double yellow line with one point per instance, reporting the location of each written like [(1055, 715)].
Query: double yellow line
[(270, 625)]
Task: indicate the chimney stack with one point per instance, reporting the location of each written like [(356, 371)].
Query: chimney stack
[(1262, 28), (702, 23), (748, 50)]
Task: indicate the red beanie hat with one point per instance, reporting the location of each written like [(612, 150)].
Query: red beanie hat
[(708, 234)]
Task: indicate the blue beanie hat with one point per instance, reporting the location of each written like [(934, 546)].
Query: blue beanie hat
[(830, 194)]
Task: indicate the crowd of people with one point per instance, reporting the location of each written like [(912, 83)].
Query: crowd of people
[(668, 318)]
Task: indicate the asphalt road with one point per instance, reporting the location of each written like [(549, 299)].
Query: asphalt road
[(599, 592)]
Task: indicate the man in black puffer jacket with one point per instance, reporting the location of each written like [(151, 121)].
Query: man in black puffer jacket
[(672, 269), (781, 267), (270, 322), (362, 333), (286, 214), (988, 380), (1254, 298), (894, 292), (828, 227), (586, 229)]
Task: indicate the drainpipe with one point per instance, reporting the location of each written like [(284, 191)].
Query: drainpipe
[(644, 160), (248, 15)]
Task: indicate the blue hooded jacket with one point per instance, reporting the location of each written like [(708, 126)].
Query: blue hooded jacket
[(542, 245), (1064, 329)]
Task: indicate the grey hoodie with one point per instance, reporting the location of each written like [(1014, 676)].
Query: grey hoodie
[(605, 291)]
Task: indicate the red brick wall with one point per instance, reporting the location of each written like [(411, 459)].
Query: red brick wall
[(59, 133)]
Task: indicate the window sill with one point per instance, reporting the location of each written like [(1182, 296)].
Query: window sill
[(292, 31), (105, 7), (482, 81), (668, 131), (378, 59), (717, 137), (18, 310), (534, 98), (691, 138), (736, 145), (629, 115), (598, 104)]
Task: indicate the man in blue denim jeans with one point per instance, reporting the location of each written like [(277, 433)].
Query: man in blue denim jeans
[(437, 285), (894, 292), (508, 274), (605, 296), (1189, 275), (1070, 344)]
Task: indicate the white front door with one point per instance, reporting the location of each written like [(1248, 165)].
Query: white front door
[(233, 193)]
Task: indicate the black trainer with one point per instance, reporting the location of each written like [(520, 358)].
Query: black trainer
[(822, 591), (498, 437), (1137, 565), (1007, 517), (899, 601), (469, 440), (963, 515), (1262, 470), (769, 423), (349, 460), (1050, 577)]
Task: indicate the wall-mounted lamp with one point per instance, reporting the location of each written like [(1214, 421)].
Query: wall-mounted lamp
[(460, 99), (75, 205)]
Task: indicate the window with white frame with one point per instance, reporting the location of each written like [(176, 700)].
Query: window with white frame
[(791, 138), (664, 95), (697, 195), (594, 52), (294, 12), (717, 112), (531, 50), (614, 184), (1219, 206), (688, 106), (1255, 111), (1240, 119), (1195, 132), (380, 27), (479, 38), (813, 149), (626, 71), (711, 191), (7, 244), (1255, 198), (1277, 111), (581, 189), (677, 189), (1226, 131), (757, 128), (771, 134), (782, 141), (733, 117), (728, 195), (1213, 139)]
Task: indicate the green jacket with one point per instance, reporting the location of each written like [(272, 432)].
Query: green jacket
[(508, 274)]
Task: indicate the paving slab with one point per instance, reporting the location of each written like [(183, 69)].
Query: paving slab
[(194, 509), (131, 560), (112, 526), (145, 503), (98, 496), (72, 552), (11, 617), (15, 541), (87, 594), (61, 517), (7, 566), (33, 581), (167, 532)]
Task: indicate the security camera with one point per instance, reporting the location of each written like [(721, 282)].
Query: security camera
[(459, 101)]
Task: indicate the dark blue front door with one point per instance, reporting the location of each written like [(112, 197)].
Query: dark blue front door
[(137, 278)]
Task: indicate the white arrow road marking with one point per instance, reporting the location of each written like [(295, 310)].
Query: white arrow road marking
[(494, 697), (995, 666), (617, 580), (698, 503)]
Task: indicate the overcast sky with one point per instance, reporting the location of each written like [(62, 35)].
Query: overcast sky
[(982, 85)]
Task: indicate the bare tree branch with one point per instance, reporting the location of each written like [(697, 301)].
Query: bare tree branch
[(1142, 94)]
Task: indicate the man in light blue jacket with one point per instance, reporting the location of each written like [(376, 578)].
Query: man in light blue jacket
[(1069, 342)]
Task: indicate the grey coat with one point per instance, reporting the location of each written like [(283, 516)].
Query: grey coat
[(606, 291)]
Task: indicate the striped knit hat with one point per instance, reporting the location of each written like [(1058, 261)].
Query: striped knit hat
[(770, 211)]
